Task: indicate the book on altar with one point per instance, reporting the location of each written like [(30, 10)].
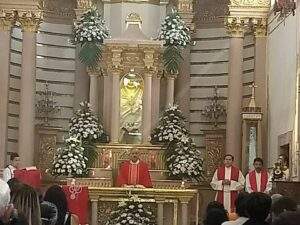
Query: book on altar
[(30, 176)]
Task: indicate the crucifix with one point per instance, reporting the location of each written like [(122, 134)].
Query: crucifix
[(252, 101)]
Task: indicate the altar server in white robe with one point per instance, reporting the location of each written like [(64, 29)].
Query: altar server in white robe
[(258, 180), (228, 180)]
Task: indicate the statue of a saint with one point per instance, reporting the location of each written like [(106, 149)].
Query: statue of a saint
[(131, 108), (281, 170)]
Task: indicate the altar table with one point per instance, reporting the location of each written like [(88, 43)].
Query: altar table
[(178, 197)]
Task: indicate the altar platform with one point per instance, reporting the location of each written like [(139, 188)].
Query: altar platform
[(171, 206)]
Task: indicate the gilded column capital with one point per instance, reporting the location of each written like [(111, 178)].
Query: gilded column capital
[(186, 11), (7, 19), (149, 58), (30, 20), (259, 27), (82, 6), (236, 26)]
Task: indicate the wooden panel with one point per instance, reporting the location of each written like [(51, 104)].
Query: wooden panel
[(58, 64), (13, 121), (58, 52), (209, 68), (55, 40), (208, 81), (13, 109), (58, 88), (222, 55), (56, 76), (55, 28), (248, 52), (12, 133), (14, 96), (211, 33), (248, 65), (212, 44)]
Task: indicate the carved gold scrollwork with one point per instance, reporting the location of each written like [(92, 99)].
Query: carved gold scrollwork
[(259, 27), (47, 147), (84, 4), (236, 27), (30, 20), (7, 19), (254, 3)]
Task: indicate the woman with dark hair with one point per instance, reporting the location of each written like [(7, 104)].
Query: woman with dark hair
[(56, 195), (26, 202), (215, 216), (15, 185)]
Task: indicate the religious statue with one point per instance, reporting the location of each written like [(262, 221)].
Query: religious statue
[(281, 169), (131, 108)]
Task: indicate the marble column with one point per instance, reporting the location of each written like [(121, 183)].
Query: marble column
[(261, 79), (82, 80), (27, 96), (170, 90), (107, 94), (5, 30), (155, 100), (94, 90), (184, 212), (147, 113), (160, 212), (236, 31), (94, 217), (115, 110)]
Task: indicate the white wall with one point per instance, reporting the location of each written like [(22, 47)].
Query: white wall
[(281, 69)]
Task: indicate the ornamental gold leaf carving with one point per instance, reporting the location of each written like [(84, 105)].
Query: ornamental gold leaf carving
[(255, 3)]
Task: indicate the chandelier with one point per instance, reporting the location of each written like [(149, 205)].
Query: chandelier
[(214, 110)]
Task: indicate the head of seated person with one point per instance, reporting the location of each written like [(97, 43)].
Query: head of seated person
[(282, 204), (258, 207), (287, 218), (26, 202), (215, 216)]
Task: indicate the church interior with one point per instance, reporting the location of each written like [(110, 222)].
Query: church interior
[(86, 85)]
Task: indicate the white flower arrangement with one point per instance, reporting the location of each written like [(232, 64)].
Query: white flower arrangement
[(85, 125), (184, 160), (171, 126), (174, 31), (90, 28), (69, 160), (131, 212)]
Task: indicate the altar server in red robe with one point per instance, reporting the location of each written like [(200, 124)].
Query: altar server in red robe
[(134, 173), (228, 180), (258, 180)]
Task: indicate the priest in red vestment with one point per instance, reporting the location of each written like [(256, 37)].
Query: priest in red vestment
[(134, 173), (258, 180), (228, 180)]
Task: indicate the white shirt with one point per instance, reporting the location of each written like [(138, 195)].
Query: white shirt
[(238, 221), (234, 186), (258, 183), (8, 173)]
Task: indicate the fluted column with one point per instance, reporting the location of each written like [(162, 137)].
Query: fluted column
[(160, 211), (236, 29), (147, 107), (82, 80), (6, 22), (170, 89), (94, 217), (106, 101), (155, 100), (260, 79), (184, 211), (30, 23), (94, 92), (115, 111)]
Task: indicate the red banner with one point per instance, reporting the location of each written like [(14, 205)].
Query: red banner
[(78, 200), (29, 177)]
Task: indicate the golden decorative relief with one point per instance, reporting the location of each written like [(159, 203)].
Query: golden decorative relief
[(47, 146), (7, 19), (255, 3), (236, 27), (259, 27), (30, 20), (84, 4), (133, 18)]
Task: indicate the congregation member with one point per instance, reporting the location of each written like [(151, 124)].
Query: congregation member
[(282, 204), (288, 218), (134, 173), (8, 172), (258, 180), (241, 203), (56, 196), (258, 208), (228, 180), (215, 216)]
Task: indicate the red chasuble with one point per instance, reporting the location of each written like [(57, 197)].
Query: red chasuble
[(263, 180), (134, 174), (233, 194)]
